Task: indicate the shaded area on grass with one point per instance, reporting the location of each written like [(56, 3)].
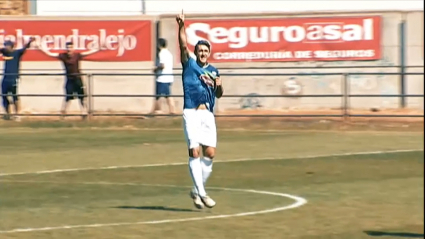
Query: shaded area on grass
[(394, 234)]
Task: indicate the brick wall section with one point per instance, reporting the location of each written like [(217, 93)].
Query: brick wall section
[(14, 7)]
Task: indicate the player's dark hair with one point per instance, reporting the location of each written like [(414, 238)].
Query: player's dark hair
[(162, 42), (9, 43), (202, 42), (69, 43)]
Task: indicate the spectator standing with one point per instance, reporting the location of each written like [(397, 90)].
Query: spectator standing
[(74, 83), (9, 84), (164, 78)]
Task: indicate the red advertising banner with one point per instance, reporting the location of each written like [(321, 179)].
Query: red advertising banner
[(118, 40), (289, 39)]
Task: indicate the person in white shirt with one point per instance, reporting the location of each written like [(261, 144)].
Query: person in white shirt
[(164, 78)]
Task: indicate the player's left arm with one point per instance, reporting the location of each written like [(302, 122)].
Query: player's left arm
[(161, 64), (89, 52), (7, 58), (3, 57), (219, 87), (28, 45)]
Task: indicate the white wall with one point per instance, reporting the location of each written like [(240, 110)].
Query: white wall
[(240, 6), (156, 7), (88, 7)]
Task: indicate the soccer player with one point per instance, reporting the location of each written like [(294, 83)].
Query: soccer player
[(9, 84), (74, 83), (201, 85), (164, 78)]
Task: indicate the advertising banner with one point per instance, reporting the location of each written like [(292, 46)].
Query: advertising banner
[(289, 39), (126, 40)]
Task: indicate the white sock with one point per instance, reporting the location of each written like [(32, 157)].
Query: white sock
[(206, 164), (195, 169)]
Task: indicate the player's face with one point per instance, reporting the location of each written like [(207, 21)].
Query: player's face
[(202, 53), (8, 48), (70, 48)]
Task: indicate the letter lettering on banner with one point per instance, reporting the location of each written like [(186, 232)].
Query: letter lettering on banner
[(119, 40), (289, 39)]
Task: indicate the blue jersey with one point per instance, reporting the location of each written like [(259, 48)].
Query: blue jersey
[(198, 87), (12, 63), (210, 88)]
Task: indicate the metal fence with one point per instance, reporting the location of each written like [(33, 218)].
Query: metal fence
[(345, 96)]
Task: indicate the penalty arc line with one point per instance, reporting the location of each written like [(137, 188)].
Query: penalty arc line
[(215, 161), (299, 201)]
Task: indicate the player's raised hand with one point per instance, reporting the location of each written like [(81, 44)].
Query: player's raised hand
[(180, 18)]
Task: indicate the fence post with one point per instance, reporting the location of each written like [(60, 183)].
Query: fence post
[(90, 95), (346, 93), (402, 29), (143, 7)]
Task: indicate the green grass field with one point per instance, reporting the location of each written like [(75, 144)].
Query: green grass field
[(376, 195)]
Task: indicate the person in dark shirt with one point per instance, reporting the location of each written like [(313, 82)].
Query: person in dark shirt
[(9, 84), (74, 83)]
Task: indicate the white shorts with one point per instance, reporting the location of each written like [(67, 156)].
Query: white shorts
[(199, 128)]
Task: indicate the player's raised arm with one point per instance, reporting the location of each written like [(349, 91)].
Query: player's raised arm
[(90, 52), (184, 51), (48, 53), (28, 45)]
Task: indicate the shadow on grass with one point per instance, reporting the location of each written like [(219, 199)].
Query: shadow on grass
[(157, 208), (394, 234)]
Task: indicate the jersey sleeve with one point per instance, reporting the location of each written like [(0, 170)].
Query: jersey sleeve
[(188, 63), (61, 56), (24, 49), (2, 51), (217, 72), (20, 52)]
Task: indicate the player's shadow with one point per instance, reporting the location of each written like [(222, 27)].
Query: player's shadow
[(394, 234), (157, 208)]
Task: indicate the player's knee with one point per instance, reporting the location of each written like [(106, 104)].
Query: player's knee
[(209, 152), (15, 98), (194, 153)]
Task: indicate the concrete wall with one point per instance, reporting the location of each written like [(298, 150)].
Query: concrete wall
[(245, 85), (415, 56), (235, 6), (88, 8), (158, 7)]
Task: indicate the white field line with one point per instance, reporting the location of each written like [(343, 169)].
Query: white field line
[(242, 130), (299, 201), (215, 161)]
